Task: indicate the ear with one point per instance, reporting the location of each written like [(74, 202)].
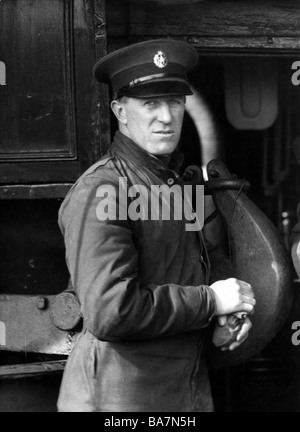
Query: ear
[(119, 110)]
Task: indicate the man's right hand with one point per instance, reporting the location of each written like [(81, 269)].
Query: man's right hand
[(233, 295)]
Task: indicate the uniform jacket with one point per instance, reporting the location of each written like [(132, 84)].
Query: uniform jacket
[(144, 295)]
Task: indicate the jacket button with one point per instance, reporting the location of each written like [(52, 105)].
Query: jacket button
[(170, 181)]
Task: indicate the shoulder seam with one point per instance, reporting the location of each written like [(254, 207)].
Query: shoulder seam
[(87, 174)]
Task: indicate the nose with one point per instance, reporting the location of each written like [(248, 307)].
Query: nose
[(164, 114)]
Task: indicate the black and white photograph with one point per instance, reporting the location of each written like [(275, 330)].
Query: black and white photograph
[(150, 209)]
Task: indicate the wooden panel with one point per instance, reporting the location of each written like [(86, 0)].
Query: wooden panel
[(37, 115), (215, 18), (46, 191), (41, 172), (32, 252), (32, 369), (84, 59), (54, 119), (260, 45), (101, 108), (209, 25)]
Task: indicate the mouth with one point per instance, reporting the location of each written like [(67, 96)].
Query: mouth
[(165, 133)]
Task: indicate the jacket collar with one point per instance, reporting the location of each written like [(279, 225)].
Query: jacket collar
[(128, 150)]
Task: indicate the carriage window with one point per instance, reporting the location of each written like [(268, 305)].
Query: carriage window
[(36, 114), (49, 49)]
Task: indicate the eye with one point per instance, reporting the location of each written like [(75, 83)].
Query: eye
[(151, 104), (175, 102)]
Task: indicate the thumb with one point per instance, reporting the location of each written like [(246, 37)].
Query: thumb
[(222, 320)]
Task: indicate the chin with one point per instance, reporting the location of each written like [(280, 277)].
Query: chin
[(164, 149)]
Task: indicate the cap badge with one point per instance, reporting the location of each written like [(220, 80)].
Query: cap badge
[(160, 60)]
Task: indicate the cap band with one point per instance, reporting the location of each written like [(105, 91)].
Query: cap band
[(123, 78), (154, 76)]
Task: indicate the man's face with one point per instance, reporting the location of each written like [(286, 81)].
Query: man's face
[(153, 123)]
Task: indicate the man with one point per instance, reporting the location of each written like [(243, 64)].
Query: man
[(142, 282)]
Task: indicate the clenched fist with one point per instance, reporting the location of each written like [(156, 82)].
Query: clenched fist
[(233, 295)]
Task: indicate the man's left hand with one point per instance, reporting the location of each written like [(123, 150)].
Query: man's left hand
[(241, 335)]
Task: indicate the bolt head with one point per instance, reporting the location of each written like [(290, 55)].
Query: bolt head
[(41, 303)]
